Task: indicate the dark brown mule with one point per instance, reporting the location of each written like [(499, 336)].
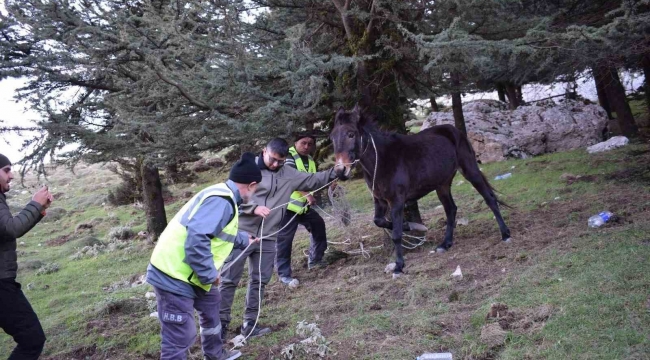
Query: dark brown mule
[(402, 168)]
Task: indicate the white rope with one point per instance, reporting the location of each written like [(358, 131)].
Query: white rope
[(262, 236)]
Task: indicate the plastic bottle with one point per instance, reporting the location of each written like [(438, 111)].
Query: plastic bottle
[(600, 219), (504, 176), (434, 356)]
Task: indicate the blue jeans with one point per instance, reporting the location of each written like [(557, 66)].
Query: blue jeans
[(178, 328)]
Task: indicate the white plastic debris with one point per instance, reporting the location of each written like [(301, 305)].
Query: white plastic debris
[(238, 341), (613, 143), (457, 274), (390, 268), (435, 356)]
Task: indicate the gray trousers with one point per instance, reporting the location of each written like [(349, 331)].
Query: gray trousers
[(178, 328), (232, 275)]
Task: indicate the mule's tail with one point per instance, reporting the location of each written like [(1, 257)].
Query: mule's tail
[(469, 167)]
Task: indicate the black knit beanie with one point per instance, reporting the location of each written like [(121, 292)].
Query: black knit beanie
[(4, 161), (246, 171)]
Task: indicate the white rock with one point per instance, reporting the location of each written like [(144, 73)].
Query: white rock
[(154, 314), (497, 133), (457, 274), (150, 295), (22, 243), (294, 283), (40, 245), (390, 268), (462, 221), (613, 143)]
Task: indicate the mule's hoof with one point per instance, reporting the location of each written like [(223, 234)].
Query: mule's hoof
[(507, 241), (417, 227), (390, 268), (441, 250), (397, 275)]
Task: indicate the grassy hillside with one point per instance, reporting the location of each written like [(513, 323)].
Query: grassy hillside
[(562, 290)]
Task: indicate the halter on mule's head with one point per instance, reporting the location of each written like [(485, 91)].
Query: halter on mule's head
[(347, 138)]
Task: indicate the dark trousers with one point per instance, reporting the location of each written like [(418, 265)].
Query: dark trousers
[(18, 319), (314, 224), (178, 328), (230, 277)]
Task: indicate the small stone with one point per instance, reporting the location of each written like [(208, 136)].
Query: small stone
[(22, 243), (462, 221), (150, 295), (556, 198), (154, 314), (238, 341), (40, 245), (390, 268)]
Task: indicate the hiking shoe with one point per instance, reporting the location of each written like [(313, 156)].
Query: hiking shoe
[(316, 265), (289, 281), (225, 355), (247, 330)]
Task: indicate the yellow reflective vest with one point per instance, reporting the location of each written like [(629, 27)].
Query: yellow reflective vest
[(298, 202), (169, 254)]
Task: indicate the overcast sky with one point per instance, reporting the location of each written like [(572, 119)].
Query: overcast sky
[(13, 114)]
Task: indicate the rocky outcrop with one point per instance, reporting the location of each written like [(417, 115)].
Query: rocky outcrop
[(497, 133)]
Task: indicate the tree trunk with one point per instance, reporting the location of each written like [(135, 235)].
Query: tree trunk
[(513, 99), (602, 95), (501, 92), (457, 104), (616, 98), (520, 95), (434, 104), (153, 201), (646, 73)]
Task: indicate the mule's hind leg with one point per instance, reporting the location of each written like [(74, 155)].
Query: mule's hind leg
[(397, 215), (444, 195), (481, 185)]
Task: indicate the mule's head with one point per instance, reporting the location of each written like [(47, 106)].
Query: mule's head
[(346, 138)]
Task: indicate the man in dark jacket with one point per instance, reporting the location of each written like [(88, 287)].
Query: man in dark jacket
[(17, 318)]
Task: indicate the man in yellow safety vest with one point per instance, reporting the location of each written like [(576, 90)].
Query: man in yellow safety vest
[(299, 212), (186, 262)]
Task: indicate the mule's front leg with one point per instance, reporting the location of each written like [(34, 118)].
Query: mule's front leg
[(397, 215)]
